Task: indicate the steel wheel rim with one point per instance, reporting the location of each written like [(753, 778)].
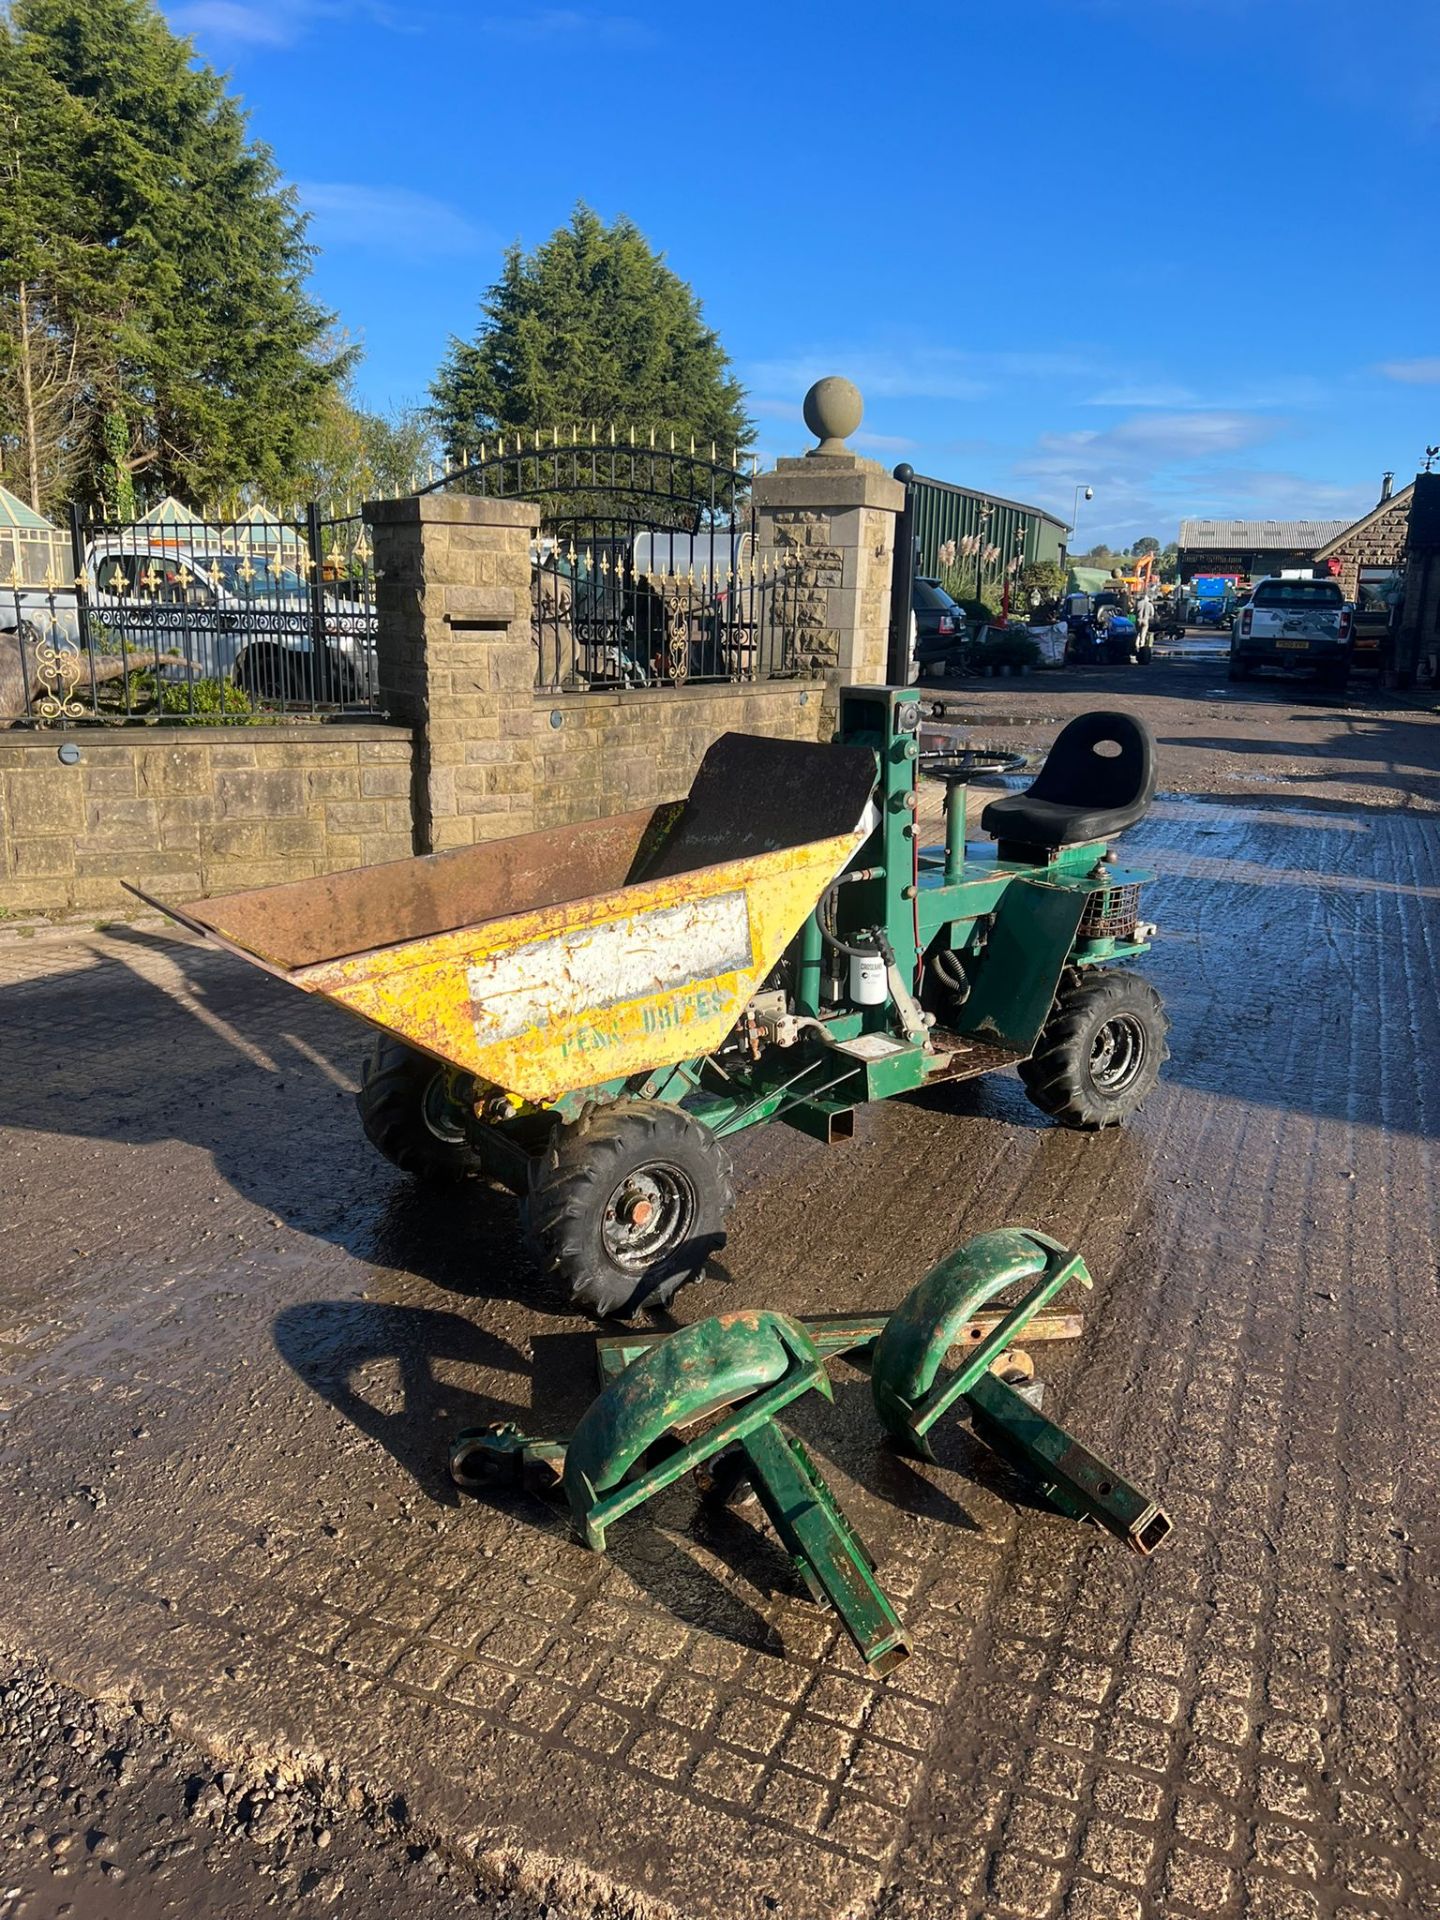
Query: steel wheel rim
[(1117, 1054), (440, 1114), (650, 1211)]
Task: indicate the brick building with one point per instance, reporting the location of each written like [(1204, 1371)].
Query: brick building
[(1368, 555)]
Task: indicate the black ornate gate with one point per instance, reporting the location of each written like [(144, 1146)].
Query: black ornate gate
[(645, 572)]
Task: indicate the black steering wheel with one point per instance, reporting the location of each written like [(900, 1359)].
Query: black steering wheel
[(964, 763)]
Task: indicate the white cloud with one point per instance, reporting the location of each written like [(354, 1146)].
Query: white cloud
[(1184, 436), (1273, 494), (570, 25), (221, 24), (1143, 396), (1141, 445), (1284, 390), (1414, 373), (884, 442), (388, 219), (914, 370), (235, 23), (1149, 471), (776, 409)]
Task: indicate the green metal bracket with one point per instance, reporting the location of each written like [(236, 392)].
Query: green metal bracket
[(923, 1329), (745, 1367), (762, 1361), (1063, 1470), (738, 1371), (503, 1456), (843, 1333), (916, 1339), (829, 1554)]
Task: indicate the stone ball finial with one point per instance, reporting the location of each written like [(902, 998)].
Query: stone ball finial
[(833, 409)]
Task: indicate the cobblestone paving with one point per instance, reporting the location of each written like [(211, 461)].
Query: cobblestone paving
[(234, 1345)]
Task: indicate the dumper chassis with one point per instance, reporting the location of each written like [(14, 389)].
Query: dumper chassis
[(589, 1015)]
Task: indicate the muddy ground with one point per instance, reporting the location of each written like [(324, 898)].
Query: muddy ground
[(258, 1652)]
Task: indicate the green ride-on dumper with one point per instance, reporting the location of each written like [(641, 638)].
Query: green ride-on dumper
[(588, 1014)]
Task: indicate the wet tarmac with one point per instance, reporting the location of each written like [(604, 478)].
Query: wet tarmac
[(233, 1345)]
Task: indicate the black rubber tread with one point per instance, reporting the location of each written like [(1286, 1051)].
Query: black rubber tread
[(1056, 1076), (1238, 670), (391, 1107), (571, 1183)]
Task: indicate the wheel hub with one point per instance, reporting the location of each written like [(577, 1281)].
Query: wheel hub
[(649, 1212), (1117, 1054), (442, 1115)]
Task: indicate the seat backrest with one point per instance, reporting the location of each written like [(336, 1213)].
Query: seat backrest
[(1077, 773)]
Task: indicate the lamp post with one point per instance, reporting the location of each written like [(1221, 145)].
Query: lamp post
[(1089, 493)]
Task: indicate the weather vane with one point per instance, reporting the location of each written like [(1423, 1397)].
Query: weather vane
[(1430, 453)]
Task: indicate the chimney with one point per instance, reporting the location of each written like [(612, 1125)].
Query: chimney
[(1387, 481)]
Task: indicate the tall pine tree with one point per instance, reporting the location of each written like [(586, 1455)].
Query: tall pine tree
[(166, 262), (590, 328)]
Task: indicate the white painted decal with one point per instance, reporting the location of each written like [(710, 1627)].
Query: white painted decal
[(587, 968)]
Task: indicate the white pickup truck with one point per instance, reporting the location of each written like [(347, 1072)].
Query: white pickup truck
[(1295, 625)]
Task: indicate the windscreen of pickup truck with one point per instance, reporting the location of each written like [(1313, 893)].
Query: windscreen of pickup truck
[(1298, 593)]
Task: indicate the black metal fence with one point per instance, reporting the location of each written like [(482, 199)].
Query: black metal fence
[(194, 620), (628, 607), (645, 573)]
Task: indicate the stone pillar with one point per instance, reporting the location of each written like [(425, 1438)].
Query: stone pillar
[(826, 522), (455, 657)]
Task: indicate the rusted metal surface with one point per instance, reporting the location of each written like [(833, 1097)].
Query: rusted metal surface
[(752, 795), (845, 1333), (548, 962), (1063, 1469), (367, 909), (960, 1058), (554, 1023)]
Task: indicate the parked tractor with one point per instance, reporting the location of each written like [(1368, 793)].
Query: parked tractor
[(590, 1014)]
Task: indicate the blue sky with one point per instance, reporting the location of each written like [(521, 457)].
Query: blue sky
[(1183, 251)]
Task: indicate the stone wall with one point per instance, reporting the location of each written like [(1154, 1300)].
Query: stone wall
[(828, 522), (473, 751), (181, 811), (593, 753), (455, 659)]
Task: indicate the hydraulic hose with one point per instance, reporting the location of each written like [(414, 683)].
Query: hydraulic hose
[(951, 973), (825, 911)]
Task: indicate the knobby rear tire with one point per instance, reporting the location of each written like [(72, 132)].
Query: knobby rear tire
[(1100, 1052)]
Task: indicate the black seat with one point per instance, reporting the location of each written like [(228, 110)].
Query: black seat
[(1081, 793)]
